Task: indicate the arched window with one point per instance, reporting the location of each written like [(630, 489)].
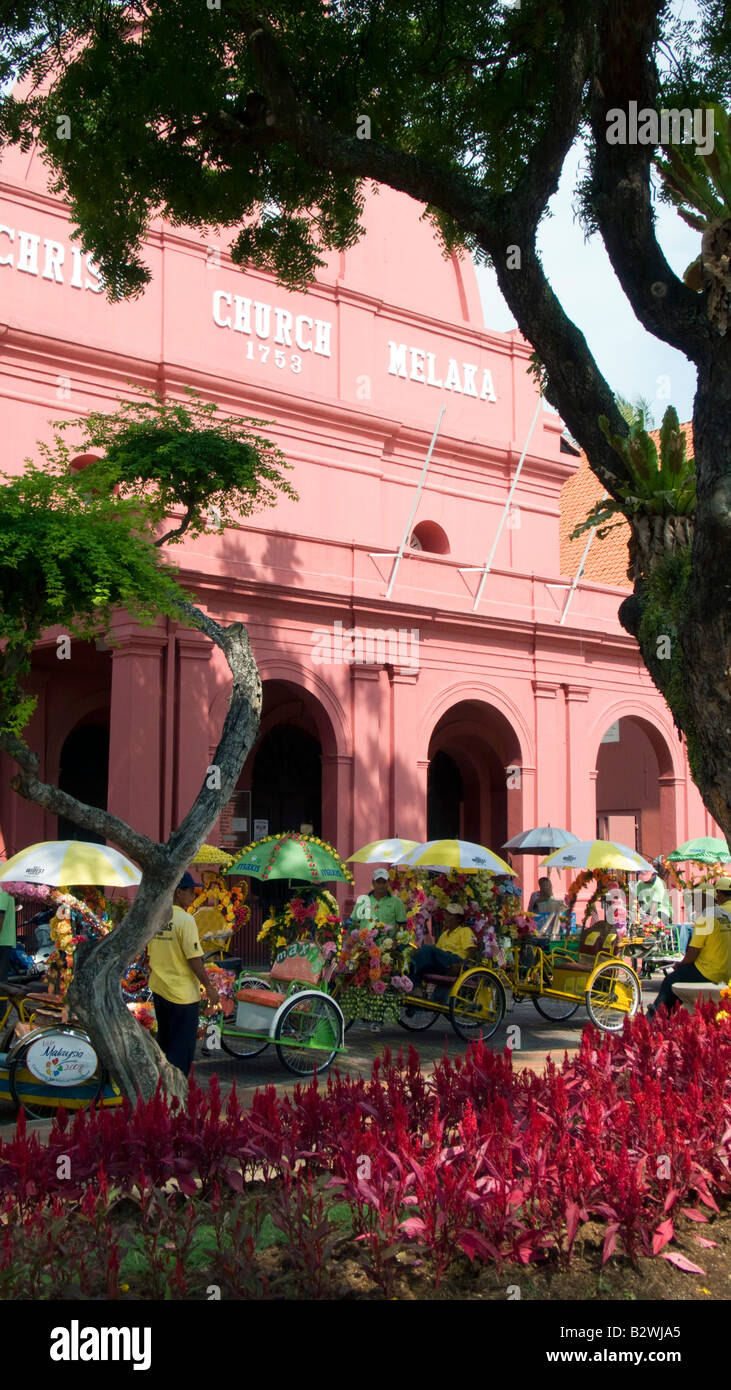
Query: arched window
[(429, 536)]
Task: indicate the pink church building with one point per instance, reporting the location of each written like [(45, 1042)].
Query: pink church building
[(467, 686)]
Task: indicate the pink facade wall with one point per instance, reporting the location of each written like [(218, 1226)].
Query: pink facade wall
[(350, 379)]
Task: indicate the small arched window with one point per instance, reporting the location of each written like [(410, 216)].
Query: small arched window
[(428, 535)]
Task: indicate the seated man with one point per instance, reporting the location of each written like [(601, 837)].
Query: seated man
[(708, 957), (447, 957)]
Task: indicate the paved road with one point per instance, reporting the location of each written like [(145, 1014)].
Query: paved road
[(535, 1040)]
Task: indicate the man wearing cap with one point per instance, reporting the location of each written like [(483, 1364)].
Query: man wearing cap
[(176, 975), (447, 957), (708, 957), (386, 906)]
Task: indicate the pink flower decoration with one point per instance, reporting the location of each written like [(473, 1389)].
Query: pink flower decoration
[(379, 986)]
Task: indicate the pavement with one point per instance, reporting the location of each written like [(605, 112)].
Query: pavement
[(533, 1040)]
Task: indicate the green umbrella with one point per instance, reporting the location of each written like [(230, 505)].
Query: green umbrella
[(292, 855), (704, 850)]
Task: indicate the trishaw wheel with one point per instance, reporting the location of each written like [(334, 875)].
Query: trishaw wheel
[(555, 1010), (477, 1007), (22, 1093), (612, 995), (233, 1043), (416, 1020), (309, 1033)]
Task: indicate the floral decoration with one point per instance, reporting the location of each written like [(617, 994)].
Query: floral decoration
[(230, 901), (317, 920), (224, 981)]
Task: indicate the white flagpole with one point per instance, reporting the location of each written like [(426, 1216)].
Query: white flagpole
[(506, 509), (580, 570), (412, 514)]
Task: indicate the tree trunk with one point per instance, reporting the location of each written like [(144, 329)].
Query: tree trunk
[(127, 1051)]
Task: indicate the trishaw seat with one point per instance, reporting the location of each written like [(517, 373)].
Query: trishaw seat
[(440, 979), (268, 998)]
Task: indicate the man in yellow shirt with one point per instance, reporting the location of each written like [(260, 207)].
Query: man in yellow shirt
[(447, 957), (708, 956), (176, 975)]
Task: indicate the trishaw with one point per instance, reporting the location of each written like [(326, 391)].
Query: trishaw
[(475, 1002), (306, 1023), (302, 1020), (45, 1062)]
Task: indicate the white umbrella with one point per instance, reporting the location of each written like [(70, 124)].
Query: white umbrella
[(598, 854), (544, 839), (64, 862), (462, 855)]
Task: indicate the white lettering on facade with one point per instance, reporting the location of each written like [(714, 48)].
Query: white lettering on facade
[(417, 365), (10, 234), (322, 337), (75, 281), (219, 298), (283, 331), (26, 259), (309, 335), (262, 319), (459, 377), (28, 245), (302, 318), (54, 260), (397, 363), (242, 321)]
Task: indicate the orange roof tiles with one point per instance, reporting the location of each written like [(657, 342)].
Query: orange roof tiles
[(608, 559)]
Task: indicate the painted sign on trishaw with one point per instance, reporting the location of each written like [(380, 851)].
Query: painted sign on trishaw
[(61, 1060)]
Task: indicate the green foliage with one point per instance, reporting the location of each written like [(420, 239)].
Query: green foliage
[(181, 454), (655, 487), (663, 609), (699, 185), (168, 117), (77, 544)]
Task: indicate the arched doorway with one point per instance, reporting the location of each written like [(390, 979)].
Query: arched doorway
[(286, 780), (474, 785), (84, 773), (635, 789)]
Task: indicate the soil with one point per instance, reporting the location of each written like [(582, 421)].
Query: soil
[(650, 1280)]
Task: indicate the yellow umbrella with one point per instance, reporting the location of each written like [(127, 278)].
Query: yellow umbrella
[(462, 855), (61, 862), (381, 851), (598, 854), (208, 854)]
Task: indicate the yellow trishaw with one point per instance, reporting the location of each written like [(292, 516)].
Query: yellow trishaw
[(558, 985)]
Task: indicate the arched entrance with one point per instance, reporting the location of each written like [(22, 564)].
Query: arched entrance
[(286, 780), (474, 785), (84, 772), (635, 790)]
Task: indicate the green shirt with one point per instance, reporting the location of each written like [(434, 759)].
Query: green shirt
[(390, 910), (654, 899), (7, 930)]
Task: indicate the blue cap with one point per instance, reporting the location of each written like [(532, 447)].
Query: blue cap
[(187, 881)]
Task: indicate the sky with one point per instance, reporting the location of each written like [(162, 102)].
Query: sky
[(634, 363)]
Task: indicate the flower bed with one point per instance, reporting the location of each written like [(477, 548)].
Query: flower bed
[(476, 1166)]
